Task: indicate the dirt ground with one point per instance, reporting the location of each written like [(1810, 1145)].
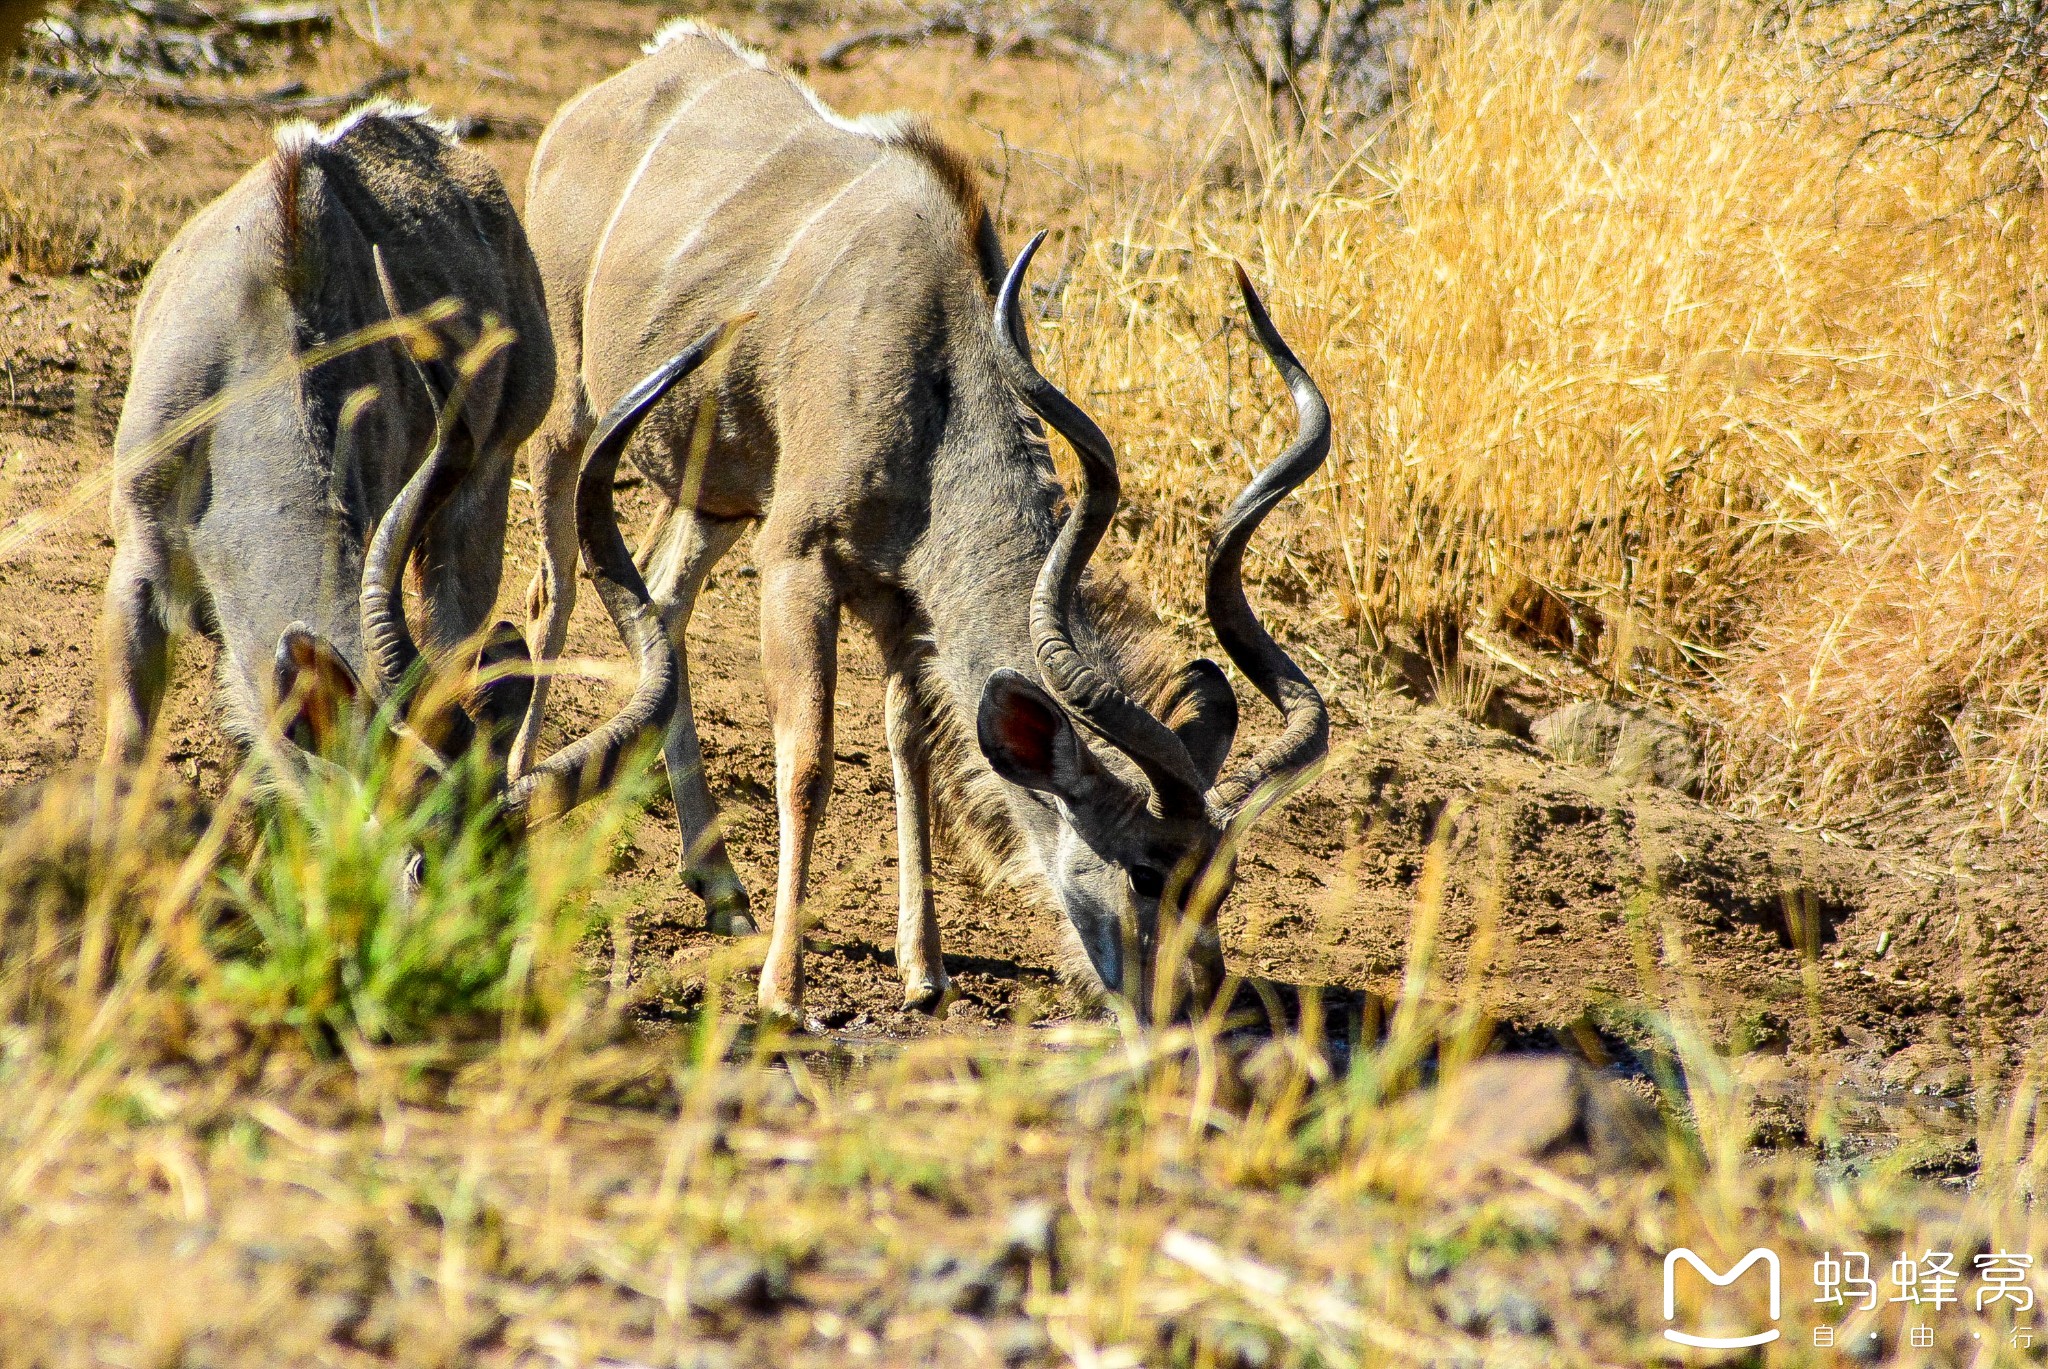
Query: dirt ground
[(1905, 963)]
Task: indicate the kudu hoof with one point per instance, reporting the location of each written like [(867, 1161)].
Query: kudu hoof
[(729, 919), (726, 911), (926, 997)]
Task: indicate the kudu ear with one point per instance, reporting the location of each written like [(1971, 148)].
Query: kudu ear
[(1028, 738), (503, 686), (316, 693), (1201, 708)]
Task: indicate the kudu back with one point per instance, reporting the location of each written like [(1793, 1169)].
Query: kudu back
[(284, 524), (869, 423)]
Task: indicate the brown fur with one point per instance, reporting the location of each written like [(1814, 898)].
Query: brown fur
[(952, 166), (287, 170)]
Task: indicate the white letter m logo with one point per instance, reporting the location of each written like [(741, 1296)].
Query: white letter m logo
[(1769, 1258)]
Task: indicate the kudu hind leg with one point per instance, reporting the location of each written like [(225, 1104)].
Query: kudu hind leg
[(800, 662), (689, 547), (925, 985)]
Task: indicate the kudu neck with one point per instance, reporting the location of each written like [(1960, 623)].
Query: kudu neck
[(992, 521)]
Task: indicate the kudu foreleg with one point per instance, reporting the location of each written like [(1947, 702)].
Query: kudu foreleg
[(917, 923), (799, 656), (135, 644), (689, 546)]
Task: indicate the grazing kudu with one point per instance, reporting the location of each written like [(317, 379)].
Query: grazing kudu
[(869, 422), (284, 526)]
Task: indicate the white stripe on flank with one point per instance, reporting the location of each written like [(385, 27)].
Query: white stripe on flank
[(633, 181), (739, 186), (558, 122), (788, 248)]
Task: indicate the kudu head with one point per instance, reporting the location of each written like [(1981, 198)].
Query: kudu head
[(1146, 821), (469, 707)]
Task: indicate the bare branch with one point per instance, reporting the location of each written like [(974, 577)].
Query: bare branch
[(1941, 69), (1309, 57), (159, 90)]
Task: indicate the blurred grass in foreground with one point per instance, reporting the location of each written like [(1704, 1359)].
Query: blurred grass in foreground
[(192, 1175)]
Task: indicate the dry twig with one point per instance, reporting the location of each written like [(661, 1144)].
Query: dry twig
[(160, 90)]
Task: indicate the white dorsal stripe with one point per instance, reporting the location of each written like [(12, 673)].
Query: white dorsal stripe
[(881, 128)]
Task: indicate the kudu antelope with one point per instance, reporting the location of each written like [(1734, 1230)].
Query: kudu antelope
[(257, 527), (869, 422)]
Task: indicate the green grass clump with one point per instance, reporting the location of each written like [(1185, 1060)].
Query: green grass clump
[(358, 918)]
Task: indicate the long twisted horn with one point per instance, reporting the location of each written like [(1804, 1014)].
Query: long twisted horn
[(388, 643), (585, 767), (1085, 691), (1305, 737)]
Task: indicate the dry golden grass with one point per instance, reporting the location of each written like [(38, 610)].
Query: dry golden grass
[(1610, 317), (77, 191)]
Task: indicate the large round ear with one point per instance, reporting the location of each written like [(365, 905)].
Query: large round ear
[(315, 695), (1202, 711), (502, 686), (1028, 739)]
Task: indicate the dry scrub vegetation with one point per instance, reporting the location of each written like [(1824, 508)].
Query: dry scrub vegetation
[(56, 215), (1619, 318), (1608, 318)]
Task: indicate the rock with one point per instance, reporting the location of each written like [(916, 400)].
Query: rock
[(1506, 1109), (1639, 745), (1487, 1303), (1595, 1272), (1030, 1233), (993, 1284), (734, 1282), (1236, 1346), (1019, 1340), (1928, 1068), (972, 1288), (944, 1282)]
